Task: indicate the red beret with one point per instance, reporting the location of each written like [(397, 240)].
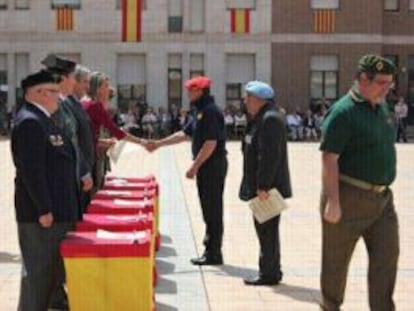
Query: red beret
[(199, 82)]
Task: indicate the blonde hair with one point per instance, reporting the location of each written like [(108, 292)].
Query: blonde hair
[(96, 81)]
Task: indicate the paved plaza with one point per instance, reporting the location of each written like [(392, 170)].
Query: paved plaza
[(186, 287)]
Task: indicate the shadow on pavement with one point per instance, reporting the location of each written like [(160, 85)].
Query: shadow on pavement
[(164, 267), (165, 286), (166, 251), (163, 307), (166, 239), (9, 258), (299, 293)]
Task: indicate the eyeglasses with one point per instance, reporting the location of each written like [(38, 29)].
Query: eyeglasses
[(384, 83)]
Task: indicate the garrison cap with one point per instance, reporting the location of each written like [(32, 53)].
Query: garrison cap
[(37, 78), (200, 82), (376, 64), (259, 89), (58, 64)]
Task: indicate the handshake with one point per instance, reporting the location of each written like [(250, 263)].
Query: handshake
[(150, 145)]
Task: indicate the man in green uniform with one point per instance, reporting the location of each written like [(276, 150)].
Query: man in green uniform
[(358, 166)]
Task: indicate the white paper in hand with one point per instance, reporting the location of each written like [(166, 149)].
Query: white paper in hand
[(115, 151), (267, 209)]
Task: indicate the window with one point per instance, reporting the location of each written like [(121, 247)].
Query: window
[(325, 4), (3, 4), (175, 16), (4, 87), (240, 4), (391, 5), (174, 80), (21, 63), (324, 78), (72, 4), (118, 4), (22, 4), (411, 4), (197, 15), (196, 65), (240, 68), (131, 78)]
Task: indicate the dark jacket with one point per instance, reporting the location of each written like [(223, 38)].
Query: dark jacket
[(264, 147), (45, 162), (85, 136)]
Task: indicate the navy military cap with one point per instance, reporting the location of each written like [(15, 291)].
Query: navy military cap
[(37, 78), (259, 89), (376, 64), (59, 64)]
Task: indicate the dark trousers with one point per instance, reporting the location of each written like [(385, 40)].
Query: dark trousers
[(42, 264), (210, 184), (269, 259), (371, 216), (402, 130)]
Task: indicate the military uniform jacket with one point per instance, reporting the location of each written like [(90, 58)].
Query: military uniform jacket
[(85, 137), (264, 147), (45, 162)]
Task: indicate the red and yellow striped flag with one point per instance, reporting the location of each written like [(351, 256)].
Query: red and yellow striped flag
[(324, 21), (131, 20), (64, 19), (240, 20)]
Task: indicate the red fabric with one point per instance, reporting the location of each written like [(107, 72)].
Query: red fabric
[(116, 223), (140, 186), (86, 244), (108, 206), (199, 82), (101, 118)]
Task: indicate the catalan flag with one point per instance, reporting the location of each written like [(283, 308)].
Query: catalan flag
[(240, 20), (64, 19), (131, 20), (324, 21)]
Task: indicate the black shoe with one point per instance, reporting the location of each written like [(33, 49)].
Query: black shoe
[(208, 260), (260, 281)]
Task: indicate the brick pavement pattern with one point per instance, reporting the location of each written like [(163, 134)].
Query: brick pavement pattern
[(185, 287)]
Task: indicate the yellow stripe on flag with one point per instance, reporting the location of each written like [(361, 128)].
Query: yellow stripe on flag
[(64, 19), (240, 21), (131, 27), (324, 21)]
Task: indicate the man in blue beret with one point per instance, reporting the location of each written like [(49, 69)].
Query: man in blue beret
[(358, 167), (265, 167)]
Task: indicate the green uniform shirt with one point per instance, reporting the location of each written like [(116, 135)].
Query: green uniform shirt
[(363, 137)]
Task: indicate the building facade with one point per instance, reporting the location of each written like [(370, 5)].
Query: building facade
[(148, 54), (315, 54), (307, 49)]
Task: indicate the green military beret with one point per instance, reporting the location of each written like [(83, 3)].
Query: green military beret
[(376, 64)]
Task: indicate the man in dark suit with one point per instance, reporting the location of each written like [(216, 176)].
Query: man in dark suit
[(72, 119), (85, 136), (46, 194), (265, 167)]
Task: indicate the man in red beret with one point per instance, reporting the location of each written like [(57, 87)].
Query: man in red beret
[(207, 133)]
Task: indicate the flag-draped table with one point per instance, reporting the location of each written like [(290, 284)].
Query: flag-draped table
[(115, 240)]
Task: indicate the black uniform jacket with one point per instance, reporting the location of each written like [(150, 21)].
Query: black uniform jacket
[(264, 147), (45, 162), (85, 136)]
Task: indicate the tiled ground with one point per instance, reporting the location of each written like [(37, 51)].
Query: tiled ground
[(184, 287)]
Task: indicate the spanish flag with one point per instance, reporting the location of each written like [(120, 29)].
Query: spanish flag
[(240, 20), (64, 19), (131, 20), (324, 21)]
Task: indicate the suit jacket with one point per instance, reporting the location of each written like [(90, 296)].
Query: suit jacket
[(85, 136), (264, 146), (45, 162)]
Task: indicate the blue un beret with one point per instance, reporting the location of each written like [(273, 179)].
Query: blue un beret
[(259, 89)]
